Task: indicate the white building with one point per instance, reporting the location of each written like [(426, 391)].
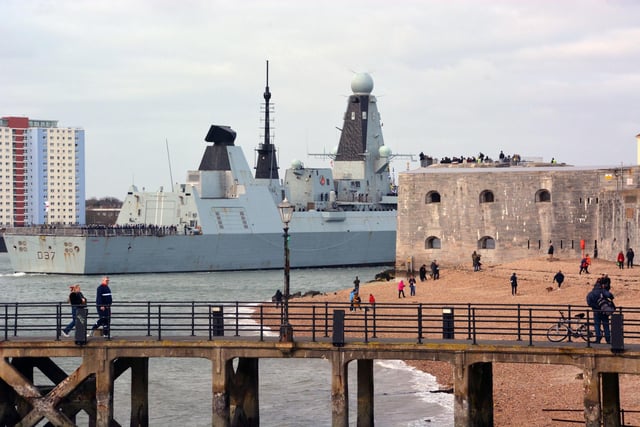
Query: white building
[(42, 177)]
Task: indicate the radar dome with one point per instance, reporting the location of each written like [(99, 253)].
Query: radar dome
[(362, 83), (384, 151), (296, 164)]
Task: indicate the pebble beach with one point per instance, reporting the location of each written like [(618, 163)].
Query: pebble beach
[(523, 394)]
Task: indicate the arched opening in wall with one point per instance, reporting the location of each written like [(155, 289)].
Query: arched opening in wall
[(486, 242), (432, 197), (543, 196), (486, 196), (432, 242)]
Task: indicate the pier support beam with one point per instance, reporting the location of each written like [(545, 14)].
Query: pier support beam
[(365, 393), (611, 399), (221, 373), (473, 393), (104, 386), (591, 385), (244, 393), (339, 391), (139, 391)]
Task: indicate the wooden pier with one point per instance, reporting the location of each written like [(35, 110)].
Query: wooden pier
[(234, 365)]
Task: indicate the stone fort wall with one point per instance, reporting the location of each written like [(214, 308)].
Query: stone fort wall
[(509, 213)]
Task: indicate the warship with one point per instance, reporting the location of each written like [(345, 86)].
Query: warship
[(226, 218)]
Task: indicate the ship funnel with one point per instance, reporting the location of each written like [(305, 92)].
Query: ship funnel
[(223, 135)]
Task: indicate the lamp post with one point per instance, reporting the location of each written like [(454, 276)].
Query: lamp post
[(286, 330)]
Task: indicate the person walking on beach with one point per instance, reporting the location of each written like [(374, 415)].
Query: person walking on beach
[(423, 273), (372, 301), (412, 286), (630, 256), (475, 259), (356, 301), (620, 260), (584, 267), (514, 284), (356, 285), (77, 300), (559, 278), (435, 270), (550, 251), (352, 298), (103, 306), (401, 288)]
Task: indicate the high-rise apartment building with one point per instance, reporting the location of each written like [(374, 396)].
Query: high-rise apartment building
[(42, 177)]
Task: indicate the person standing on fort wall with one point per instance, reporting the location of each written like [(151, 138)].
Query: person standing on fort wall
[(630, 256)]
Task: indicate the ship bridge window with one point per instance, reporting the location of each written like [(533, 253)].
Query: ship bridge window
[(432, 197), (543, 196), (486, 242), (487, 196), (432, 242)]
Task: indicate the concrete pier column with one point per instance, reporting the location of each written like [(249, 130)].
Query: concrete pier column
[(139, 391), (365, 393), (591, 385), (104, 386), (339, 391), (243, 393), (473, 393), (221, 373), (611, 399)]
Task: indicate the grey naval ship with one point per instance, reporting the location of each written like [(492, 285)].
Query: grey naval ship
[(226, 218)]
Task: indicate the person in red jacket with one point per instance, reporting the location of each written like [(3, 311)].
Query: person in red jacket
[(620, 260)]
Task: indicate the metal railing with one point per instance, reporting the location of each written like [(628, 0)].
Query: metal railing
[(419, 323)]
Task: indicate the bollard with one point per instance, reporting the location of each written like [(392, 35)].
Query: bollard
[(447, 323), (81, 325), (217, 321), (617, 333), (338, 328)]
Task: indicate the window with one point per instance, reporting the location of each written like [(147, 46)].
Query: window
[(486, 242), (486, 196), (432, 242), (432, 197), (543, 196)]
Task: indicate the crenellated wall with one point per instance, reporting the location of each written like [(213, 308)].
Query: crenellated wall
[(445, 212)]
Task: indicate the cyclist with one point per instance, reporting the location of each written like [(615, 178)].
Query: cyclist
[(600, 318)]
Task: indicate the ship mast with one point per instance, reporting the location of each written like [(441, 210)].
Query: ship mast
[(267, 164)]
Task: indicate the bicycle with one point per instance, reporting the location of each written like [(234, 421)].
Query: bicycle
[(574, 327)]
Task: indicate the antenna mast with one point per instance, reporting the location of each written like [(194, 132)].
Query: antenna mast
[(267, 165), (169, 159)]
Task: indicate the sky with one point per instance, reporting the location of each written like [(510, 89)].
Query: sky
[(146, 78)]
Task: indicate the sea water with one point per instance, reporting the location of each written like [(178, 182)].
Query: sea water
[(293, 392)]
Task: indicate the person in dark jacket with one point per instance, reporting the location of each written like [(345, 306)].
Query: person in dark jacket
[(559, 278), (76, 299), (600, 318), (630, 256), (514, 284), (103, 306)]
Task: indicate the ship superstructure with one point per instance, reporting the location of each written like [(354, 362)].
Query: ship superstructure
[(225, 218)]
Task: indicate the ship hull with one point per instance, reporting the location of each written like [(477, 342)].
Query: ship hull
[(189, 253)]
